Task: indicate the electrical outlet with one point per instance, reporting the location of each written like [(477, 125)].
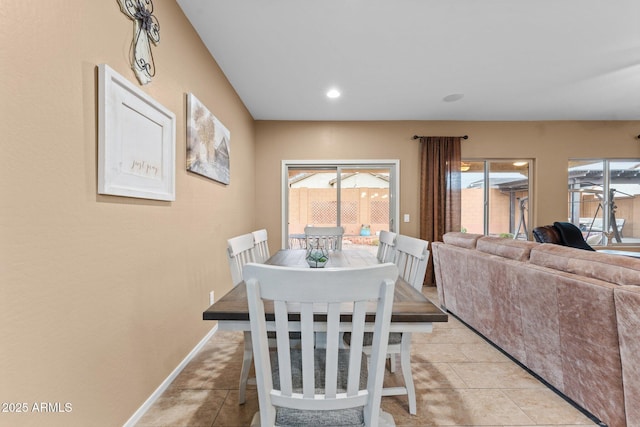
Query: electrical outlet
[(212, 297), (406, 217)]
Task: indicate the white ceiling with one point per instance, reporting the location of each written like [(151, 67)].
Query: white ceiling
[(398, 59)]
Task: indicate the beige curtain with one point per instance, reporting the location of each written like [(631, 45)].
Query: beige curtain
[(440, 192)]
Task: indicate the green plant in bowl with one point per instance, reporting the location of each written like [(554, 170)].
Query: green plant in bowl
[(317, 258)]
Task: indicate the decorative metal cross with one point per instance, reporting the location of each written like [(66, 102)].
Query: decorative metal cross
[(146, 27)]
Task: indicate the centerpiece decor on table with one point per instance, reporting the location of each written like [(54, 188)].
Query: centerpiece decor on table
[(317, 257)]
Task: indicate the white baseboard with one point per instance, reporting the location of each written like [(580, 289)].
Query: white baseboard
[(165, 384)]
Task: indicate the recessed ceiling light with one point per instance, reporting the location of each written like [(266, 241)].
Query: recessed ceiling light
[(333, 93), (453, 97), (520, 163)]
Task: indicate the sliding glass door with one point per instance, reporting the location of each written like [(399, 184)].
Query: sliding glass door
[(495, 197), (312, 200), (359, 196)]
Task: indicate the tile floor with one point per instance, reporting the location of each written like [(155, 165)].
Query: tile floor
[(460, 380)]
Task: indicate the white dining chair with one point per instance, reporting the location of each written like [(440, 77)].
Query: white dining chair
[(241, 251), (319, 386), (261, 244), (329, 238), (386, 242), (410, 256)]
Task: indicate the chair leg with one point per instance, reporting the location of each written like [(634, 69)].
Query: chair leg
[(405, 365), (392, 362), (247, 358)]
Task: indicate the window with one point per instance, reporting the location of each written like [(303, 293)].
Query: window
[(361, 196), (604, 200), (495, 197)]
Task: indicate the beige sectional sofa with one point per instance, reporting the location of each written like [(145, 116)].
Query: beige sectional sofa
[(571, 316)]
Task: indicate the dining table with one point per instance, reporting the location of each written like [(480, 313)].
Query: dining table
[(412, 312)]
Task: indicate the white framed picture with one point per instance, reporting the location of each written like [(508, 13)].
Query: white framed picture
[(208, 150), (136, 141)]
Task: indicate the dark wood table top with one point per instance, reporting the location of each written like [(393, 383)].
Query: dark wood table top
[(409, 305)]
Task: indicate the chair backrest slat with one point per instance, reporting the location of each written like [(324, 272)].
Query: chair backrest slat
[(282, 337), (240, 251), (333, 335), (305, 293), (261, 244), (359, 311), (386, 243), (308, 348), (411, 257), (329, 238)]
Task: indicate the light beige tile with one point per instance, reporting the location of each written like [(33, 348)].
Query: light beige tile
[(483, 352), (219, 350), (232, 414), (447, 336), (546, 407), (435, 352), (227, 336), (188, 408), (495, 375), (435, 375), (426, 376), (215, 367), (457, 407)]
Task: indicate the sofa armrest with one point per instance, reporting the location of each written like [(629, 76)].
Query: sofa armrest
[(627, 301)]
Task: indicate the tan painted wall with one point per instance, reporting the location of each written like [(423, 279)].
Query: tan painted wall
[(550, 144), (101, 297)]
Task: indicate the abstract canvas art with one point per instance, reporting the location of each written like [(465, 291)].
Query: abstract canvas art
[(207, 142)]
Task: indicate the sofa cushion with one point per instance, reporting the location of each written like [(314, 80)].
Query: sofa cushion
[(617, 269), (462, 240), (506, 248)]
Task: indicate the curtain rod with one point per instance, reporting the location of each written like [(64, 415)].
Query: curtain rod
[(463, 137)]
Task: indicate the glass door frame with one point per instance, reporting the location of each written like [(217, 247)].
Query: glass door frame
[(487, 162), (339, 165), (607, 202)]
